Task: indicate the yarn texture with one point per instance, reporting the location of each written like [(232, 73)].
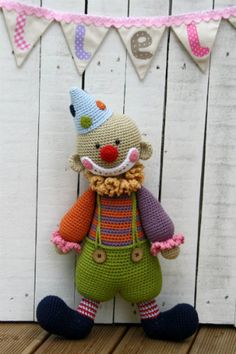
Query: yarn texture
[(135, 282), (88, 115), (62, 245), (76, 222), (116, 127), (118, 227), (126, 183)]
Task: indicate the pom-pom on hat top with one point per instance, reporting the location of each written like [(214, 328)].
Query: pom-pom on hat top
[(88, 113)]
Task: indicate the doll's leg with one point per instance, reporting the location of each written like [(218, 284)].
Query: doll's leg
[(148, 309), (56, 317), (88, 308), (176, 324)]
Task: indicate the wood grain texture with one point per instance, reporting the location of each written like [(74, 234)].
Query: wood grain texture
[(135, 342), (57, 184), (19, 107), (215, 340), (216, 287), (105, 78), (183, 145), (102, 340), (30, 338), (20, 338), (144, 103)]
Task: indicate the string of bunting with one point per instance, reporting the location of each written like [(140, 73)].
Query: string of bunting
[(141, 36)]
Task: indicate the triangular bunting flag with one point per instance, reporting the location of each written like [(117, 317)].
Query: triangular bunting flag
[(83, 41), (24, 31), (232, 20), (141, 44), (198, 40)]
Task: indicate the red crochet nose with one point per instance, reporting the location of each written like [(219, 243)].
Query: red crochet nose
[(109, 153)]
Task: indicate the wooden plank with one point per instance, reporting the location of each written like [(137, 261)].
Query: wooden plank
[(108, 69), (183, 144), (135, 342), (57, 184), (102, 340), (20, 338), (144, 102), (18, 157), (215, 340), (217, 262)]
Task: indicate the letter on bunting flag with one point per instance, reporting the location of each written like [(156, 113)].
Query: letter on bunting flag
[(24, 31), (141, 44), (198, 40), (83, 41)]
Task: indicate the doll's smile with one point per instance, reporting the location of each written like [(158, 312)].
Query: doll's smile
[(130, 160)]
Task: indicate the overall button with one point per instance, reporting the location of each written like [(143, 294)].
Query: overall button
[(137, 255), (99, 256)]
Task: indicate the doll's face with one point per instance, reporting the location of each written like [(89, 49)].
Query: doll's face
[(111, 149)]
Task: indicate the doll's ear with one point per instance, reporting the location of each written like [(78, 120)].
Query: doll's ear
[(75, 163), (145, 151)]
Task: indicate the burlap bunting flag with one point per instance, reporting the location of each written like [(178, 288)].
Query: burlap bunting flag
[(232, 21), (198, 40), (24, 32), (141, 44), (83, 41)]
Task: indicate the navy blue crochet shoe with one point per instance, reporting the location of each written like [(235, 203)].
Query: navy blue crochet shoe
[(176, 324), (56, 317)]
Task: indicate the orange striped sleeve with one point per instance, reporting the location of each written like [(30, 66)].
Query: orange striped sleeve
[(76, 222)]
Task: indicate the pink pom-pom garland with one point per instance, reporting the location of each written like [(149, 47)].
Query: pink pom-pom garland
[(63, 245), (118, 22), (173, 242)]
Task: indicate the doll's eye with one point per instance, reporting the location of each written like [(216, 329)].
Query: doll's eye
[(117, 141), (97, 146), (72, 110)]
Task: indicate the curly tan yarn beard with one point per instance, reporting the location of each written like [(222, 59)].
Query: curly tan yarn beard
[(126, 183)]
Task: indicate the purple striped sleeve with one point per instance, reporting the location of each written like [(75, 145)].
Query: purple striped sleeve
[(156, 223)]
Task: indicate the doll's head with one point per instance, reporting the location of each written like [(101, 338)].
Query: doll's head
[(108, 144)]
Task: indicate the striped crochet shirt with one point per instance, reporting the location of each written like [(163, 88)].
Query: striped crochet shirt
[(116, 222)]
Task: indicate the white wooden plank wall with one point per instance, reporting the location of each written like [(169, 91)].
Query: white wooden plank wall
[(19, 91), (181, 174), (216, 286), (193, 173)]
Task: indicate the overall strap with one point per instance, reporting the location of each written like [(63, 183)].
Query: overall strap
[(98, 240), (136, 241)]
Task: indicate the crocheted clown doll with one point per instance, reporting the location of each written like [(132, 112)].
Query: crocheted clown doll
[(118, 228)]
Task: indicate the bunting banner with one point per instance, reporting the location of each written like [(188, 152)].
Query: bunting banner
[(198, 40), (141, 44), (83, 41), (24, 32), (141, 36)]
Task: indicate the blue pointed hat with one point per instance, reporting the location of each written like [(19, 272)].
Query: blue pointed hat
[(88, 113)]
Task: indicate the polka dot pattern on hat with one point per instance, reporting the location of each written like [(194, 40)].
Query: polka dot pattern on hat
[(85, 122), (89, 114), (101, 105)]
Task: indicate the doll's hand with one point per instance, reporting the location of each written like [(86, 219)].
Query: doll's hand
[(62, 245), (167, 247), (171, 254)]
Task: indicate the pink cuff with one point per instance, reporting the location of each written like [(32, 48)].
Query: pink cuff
[(173, 242), (63, 245)]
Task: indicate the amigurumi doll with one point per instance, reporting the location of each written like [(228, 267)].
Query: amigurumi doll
[(118, 228)]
